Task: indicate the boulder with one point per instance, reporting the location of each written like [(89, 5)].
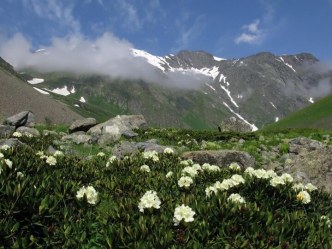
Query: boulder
[(82, 125), (310, 161), (108, 138), (234, 125), (221, 158), (6, 131), (124, 148), (121, 124), (28, 131), (11, 142), (77, 138), (25, 118)]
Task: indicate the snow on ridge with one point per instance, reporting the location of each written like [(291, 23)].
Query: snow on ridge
[(229, 95), (153, 60), (211, 87), (35, 81), (273, 105), (282, 59), (253, 126), (290, 66), (218, 59), (311, 100), (82, 99), (41, 91)]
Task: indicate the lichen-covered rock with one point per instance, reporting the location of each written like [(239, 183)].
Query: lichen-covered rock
[(221, 157), (27, 131), (82, 125), (6, 131)]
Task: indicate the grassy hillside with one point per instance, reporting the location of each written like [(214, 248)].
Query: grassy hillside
[(317, 115)]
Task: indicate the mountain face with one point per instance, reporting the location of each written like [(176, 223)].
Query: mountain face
[(16, 95), (258, 89)]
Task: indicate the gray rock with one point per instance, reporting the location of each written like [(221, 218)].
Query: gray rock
[(303, 144), (129, 134), (6, 131), (124, 148), (51, 149), (108, 139), (221, 157), (82, 125), (119, 125), (11, 142), (234, 125), (150, 146), (28, 131), (25, 118), (48, 133), (77, 138)]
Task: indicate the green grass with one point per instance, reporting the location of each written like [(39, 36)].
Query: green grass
[(317, 115)]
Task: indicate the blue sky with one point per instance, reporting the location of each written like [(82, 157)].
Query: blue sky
[(225, 28)]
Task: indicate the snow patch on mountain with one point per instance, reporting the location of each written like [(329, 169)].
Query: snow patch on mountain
[(253, 126), (218, 59), (35, 81), (229, 95), (41, 91), (211, 87), (273, 106), (290, 66), (61, 91), (311, 100), (156, 61), (276, 119)]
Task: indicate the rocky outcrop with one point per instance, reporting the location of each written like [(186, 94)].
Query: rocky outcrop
[(82, 125), (24, 118), (28, 131), (310, 161), (6, 131), (221, 157), (234, 125)]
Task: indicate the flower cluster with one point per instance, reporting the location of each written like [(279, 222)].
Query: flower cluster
[(17, 134), (326, 220), (153, 155), (211, 168), (111, 160), (187, 162), (169, 174), (101, 154), (190, 170), (58, 153), (5, 147), (145, 168), (236, 198), (168, 151), (185, 181), (183, 212), (149, 200), (234, 166), (90, 193), (225, 185), (51, 160), (303, 197)]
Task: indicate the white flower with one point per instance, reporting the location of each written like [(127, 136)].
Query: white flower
[(112, 159), (277, 180), (90, 193), (261, 174), (183, 213), (187, 162), (58, 153), (151, 155), (287, 177), (236, 198), (298, 186), (51, 160), (1, 169), (1, 155), (145, 168), (19, 175), (310, 187), (168, 151), (9, 163), (169, 174), (196, 166), (149, 200), (271, 173), (238, 179), (224, 185), (326, 220), (250, 171), (209, 167), (190, 171), (29, 135), (17, 134), (304, 197), (229, 183), (39, 153), (234, 166), (209, 190), (185, 181), (5, 147), (101, 154)]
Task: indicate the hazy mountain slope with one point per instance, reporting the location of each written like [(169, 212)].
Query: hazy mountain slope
[(16, 95), (317, 115)]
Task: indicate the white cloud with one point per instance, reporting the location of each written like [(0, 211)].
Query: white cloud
[(106, 55), (253, 34)]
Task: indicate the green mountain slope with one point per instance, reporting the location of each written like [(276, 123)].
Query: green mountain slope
[(317, 115)]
